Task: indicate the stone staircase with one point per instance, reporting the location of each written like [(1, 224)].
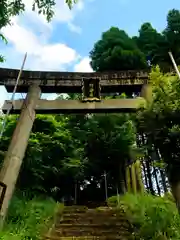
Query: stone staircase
[(79, 222)]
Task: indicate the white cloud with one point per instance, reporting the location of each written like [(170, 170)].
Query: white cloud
[(54, 57), (74, 28), (62, 14), (23, 39), (42, 55), (31, 33), (83, 66)]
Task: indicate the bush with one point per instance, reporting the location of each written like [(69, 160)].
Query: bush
[(154, 218), (169, 196), (114, 201), (27, 219)]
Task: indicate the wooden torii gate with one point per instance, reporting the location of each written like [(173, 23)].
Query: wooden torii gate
[(91, 85)]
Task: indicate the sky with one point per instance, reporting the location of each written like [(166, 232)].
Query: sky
[(64, 43)]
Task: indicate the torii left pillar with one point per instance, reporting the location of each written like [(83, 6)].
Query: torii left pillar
[(16, 151)]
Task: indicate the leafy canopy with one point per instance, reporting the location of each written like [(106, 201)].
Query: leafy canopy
[(116, 51)]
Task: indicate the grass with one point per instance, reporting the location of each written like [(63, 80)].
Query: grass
[(29, 219), (153, 218)]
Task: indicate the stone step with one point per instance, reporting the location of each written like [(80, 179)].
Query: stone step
[(100, 225), (112, 237), (91, 214), (96, 220), (98, 234), (79, 222), (69, 232), (75, 209), (92, 221)]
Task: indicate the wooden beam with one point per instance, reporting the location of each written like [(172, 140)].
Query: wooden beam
[(75, 106), (68, 82)]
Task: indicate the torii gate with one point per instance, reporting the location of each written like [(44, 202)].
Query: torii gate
[(35, 82)]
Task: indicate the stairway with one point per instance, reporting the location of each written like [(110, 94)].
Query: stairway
[(79, 222)]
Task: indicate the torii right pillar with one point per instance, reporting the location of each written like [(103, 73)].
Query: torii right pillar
[(146, 93), (15, 154)]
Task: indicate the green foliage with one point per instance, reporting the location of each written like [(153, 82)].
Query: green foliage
[(116, 51), (65, 149), (152, 44), (160, 122), (113, 201), (172, 33), (28, 219), (153, 217), (169, 196)]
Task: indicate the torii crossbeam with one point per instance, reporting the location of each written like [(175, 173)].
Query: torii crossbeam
[(71, 82)]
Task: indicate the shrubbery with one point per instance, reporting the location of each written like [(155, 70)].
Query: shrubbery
[(154, 218), (28, 219)]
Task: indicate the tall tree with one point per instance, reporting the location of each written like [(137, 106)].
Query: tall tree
[(116, 51), (152, 44), (172, 33)]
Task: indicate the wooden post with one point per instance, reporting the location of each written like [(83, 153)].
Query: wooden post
[(174, 64), (105, 185), (128, 179), (13, 159), (139, 177), (133, 176), (146, 93)]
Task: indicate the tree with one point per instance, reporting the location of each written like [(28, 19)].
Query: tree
[(108, 147), (50, 144), (152, 44), (156, 45), (172, 33), (160, 125), (116, 51)]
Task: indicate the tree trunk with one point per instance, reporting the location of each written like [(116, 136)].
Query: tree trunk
[(128, 179), (149, 177), (133, 175), (145, 175), (163, 177), (162, 172), (157, 183), (122, 180), (140, 186)]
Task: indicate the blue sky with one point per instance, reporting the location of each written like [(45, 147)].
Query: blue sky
[(64, 44)]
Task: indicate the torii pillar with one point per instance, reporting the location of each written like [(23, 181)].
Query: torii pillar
[(146, 92), (16, 151)]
